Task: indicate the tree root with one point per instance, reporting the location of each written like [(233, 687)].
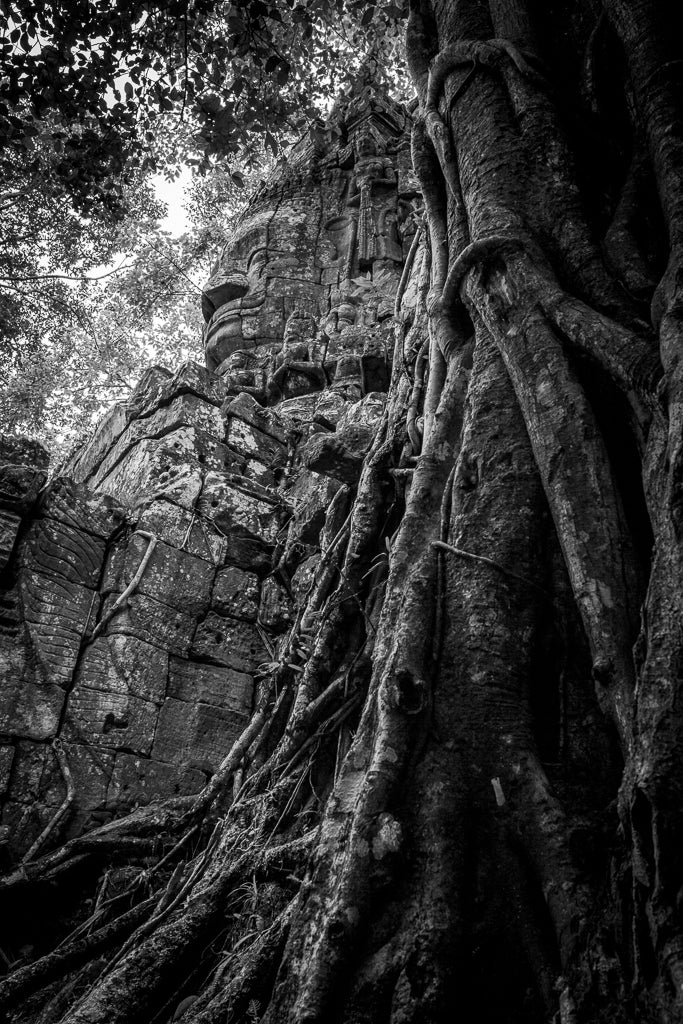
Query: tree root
[(63, 808)]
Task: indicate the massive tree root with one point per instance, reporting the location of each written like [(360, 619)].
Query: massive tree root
[(459, 781)]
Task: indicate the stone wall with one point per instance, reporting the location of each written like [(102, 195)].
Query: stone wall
[(148, 587)]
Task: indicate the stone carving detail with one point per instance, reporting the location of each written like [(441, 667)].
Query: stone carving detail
[(144, 590)]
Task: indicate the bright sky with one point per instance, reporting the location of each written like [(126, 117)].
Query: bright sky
[(173, 194)]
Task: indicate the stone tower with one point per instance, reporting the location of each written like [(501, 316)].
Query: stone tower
[(144, 591)]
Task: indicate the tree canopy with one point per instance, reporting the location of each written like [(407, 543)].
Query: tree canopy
[(95, 98)]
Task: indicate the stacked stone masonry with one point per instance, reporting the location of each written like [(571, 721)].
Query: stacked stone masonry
[(146, 587)]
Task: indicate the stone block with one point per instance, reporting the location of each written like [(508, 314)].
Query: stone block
[(19, 487), (311, 495), (154, 468), (29, 708), (246, 408), (194, 379), (20, 825), (125, 665), (146, 393), (339, 455), (37, 781), (57, 614), (230, 642), (174, 577), (184, 411), (248, 552), (115, 721), (253, 443), (196, 735), (81, 508), (27, 770), (53, 548), (220, 685), (329, 408), (295, 411), (236, 593), (181, 528), (226, 502), (261, 474), (83, 463), (156, 623), (138, 781)]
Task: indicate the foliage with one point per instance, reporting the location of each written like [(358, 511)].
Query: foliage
[(236, 73), (146, 310)]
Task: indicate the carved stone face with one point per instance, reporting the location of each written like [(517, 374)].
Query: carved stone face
[(267, 268)]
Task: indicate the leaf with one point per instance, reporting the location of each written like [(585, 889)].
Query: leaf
[(237, 178), (271, 143)]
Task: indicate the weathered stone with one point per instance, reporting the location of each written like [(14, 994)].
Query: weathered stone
[(300, 410), (175, 577), (225, 502), (103, 718), (6, 761), (154, 468), (9, 528), (236, 593), (28, 708), (267, 420), (231, 642), (198, 735), (145, 396), (199, 464), (138, 781), (276, 610), (77, 506), (81, 465), (56, 549), (152, 621), (261, 474), (311, 495), (124, 664), (194, 379), (183, 529), (247, 440), (220, 685), (37, 781), (246, 551), (85, 461), (183, 411), (339, 455), (19, 487), (56, 617), (21, 824)]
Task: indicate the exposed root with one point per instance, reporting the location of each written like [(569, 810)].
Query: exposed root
[(63, 808)]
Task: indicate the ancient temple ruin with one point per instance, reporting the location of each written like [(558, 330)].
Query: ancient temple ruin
[(147, 588)]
